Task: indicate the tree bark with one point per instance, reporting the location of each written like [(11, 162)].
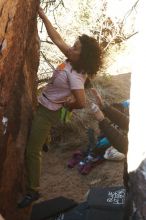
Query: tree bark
[(19, 60)]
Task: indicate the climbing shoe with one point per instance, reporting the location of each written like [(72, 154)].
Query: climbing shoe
[(28, 199)]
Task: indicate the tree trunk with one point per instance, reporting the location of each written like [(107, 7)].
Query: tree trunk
[(19, 60)]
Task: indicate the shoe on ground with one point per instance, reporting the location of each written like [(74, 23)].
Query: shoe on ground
[(90, 165), (76, 157), (28, 199), (113, 154)]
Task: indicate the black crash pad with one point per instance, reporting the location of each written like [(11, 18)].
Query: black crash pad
[(52, 207), (95, 214), (107, 198)]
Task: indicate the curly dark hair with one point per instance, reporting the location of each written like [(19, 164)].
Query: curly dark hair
[(90, 59)]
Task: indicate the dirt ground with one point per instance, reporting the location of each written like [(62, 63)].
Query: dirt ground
[(57, 179)]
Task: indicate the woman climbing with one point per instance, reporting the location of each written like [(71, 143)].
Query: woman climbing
[(83, 60)]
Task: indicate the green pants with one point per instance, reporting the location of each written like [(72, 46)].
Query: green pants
[(41, 125)]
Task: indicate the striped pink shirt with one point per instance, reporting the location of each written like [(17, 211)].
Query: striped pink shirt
[(59, 87)]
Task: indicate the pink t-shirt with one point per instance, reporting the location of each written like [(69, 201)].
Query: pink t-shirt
[(59, 87)]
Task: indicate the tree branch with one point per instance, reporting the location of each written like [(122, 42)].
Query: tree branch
[(46, 41), (47, 61)]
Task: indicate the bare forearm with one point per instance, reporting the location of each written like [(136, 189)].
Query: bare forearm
[(73, 105), (53, 34), (79, 100)]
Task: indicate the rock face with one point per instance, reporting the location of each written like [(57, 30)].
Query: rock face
[(138, 190), (19, 60)]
